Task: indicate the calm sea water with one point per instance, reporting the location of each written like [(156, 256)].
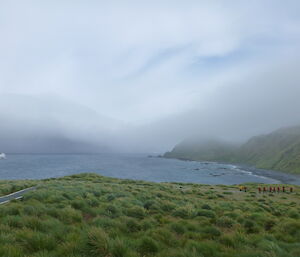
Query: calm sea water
[(131, 166)]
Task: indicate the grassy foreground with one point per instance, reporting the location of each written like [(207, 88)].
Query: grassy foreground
[(7, 187), (90, 215)]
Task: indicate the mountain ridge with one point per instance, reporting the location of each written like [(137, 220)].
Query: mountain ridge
[(278, 150)]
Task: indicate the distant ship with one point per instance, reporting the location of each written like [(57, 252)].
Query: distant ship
[(2, 156)]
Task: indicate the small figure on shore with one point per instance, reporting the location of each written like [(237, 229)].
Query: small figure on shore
[(283, 189), (291, 190), (265, 189), (274, 189), (278, 189), (259, 189), (245, 189), (241, 188), (270, 189)]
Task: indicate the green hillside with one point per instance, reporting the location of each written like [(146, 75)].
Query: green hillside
[(279, 150), (209, 150)]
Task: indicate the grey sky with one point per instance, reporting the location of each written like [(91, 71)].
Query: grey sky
[(143, 75)]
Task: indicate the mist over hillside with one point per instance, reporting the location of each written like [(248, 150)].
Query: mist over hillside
[(50, 125), (279, 150), (111, 87), (111, 76)]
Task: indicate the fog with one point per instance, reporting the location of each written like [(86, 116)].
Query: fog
[(131, 76)]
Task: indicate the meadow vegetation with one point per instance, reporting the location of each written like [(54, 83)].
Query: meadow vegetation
[(10, 186), (90, 215)]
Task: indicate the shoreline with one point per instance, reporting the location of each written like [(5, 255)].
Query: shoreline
[(285, 178), (282, 177), (139, 167)]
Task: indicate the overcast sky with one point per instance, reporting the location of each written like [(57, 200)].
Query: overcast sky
[(143, 75)]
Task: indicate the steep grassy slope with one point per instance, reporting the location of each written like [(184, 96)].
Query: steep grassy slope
[(279, 150), (290, 159), (87, 215), (209, 150)]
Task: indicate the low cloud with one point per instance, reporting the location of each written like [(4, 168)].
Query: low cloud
[(134, 76)]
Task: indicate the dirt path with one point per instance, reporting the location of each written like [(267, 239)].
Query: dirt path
[(15, 195)]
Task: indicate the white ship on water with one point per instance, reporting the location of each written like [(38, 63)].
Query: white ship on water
[(2, 156)]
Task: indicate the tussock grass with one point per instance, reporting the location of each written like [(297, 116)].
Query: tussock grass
[(10, 186), (89, 215)]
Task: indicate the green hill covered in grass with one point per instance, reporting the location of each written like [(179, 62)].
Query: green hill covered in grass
[(88, 215), (208, 150), (279, 150)]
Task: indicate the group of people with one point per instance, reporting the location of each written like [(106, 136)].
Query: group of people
[(243, 188), (271, 189), (274, 189)]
